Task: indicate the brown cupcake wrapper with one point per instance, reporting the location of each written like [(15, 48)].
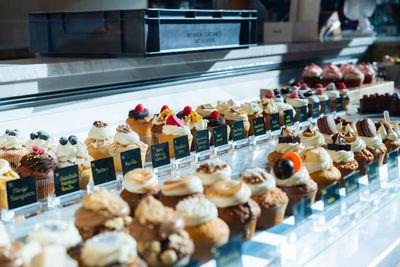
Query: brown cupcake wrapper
[(294, 199), (271, 216), (45, 187), (246, 229)]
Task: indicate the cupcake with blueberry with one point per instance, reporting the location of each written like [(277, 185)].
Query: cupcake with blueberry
[(367, 131), (353, 77), (158, 122), (12, 147), (331, 74), (99, 140), (368, 71), (70, 152), (125, 139), (215, 119), (173, 128), (311, 74), (296, 100), (42, 139), (253, 110), (140, 122), (40, 164)]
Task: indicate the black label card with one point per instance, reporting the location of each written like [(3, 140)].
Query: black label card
[(393, 165), (315, 110), (288, 116), (131, 159), (181, 147), (339, 104), (103, 171), (201, 140), (160, 155), (327, 106), (230, 254), (302, 114), (66, 180), (330, 194), (220, 135), (259, 126), (274, 122), (21, 192), (238, 131), (302, 210), (373, 171), (351, 184)]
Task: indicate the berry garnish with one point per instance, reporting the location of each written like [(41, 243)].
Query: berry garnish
[(297, 84), (294, 94), (164, 108), (214, 115), (41, 151), (35, 150), (33, 136), (8, 131), (319, 92), (43, 135), (283, 168), (295, 158), (269, 94), (12, 133), (73, 140), (173, 120), (342, 86), (303, 87), (139, 108), (318, 85), (63, 141), (187, 110)]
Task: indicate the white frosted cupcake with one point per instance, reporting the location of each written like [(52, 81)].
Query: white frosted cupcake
[(212, 171), (311, 138), (99, 140), (43, 140)]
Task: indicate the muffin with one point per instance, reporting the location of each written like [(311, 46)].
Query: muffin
[(237, 114), (212, 171), (203, 225), (327, 127), (353, 77), (344, 94), (125, 139), (269, 107), (368, 71), (99, 140), (389, 137), (178, 188), (272, 200), (70, 152), (332, 92), (367, 132), (160, 235), (253, 110), (287, 142), (235, 207), (6, 174), (311, 74), (293, 179), (320, 166), (140, 122), (12, 147), (174, 128), (296, 101), (43, 140), (214, 120), (10, 252), (110, 249), (138, 184), (101, 212), (42, 165), (310, 138), (205, 110), (331, 74), (158, 123)]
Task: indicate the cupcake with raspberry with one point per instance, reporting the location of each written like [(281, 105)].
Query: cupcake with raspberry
[(344, 94), (140, 122), (12, 147), (158, 122), (321, 97), (311, 74), (331, 74), (253, 110), (42, 139), (353, 77), (368, 71), (215, 119), (274, 95), (192, 120), (99, 140), (296, 100)]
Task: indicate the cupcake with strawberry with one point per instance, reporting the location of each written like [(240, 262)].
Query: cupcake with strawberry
[(214, 120), (158, 123), (331, 74), (274, 95), (140, 122), (296, 100), (192, 120), (311, 74)]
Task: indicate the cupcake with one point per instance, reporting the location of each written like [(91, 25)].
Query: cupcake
[(320, 166), (253, 110), (193, 121), (332, 92), (12, 147), (283, 107), (212, 171), (272, 200), (361, 154), (203, 225), (158, 123), (101, 212), (343, 125), (310, 138), (160, 235), (43, 140), (10, 252), (311, 99), (293, 179), (343, 68), (344, 94), (388, 135), (287, 142), (311, 74), (235, 207), (269, 107), (237, 114), (327, 127), (42, 165), (70, 152), (331, 74), (321, 97), (274, 95), (99, 140), (140, 122), (205, 110), (367, 132), (225, 106), (353, 77), (110, 249), (174, 128), (296, 101), (125, 139), (214, 120), (6, 174), (176, 189), (368, 71)]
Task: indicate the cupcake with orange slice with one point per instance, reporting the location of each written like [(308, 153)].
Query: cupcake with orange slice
[(158, 123), (140, 122)]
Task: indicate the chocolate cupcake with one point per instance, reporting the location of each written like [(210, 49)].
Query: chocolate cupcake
[(101, 212), (176, 189), (353, 77), (214, 120), (42, 165), (368, 71), (235, 207), (140, 122)]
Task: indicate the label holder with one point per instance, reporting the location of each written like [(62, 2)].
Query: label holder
[(222, 146), (184, 151), (166, 166)]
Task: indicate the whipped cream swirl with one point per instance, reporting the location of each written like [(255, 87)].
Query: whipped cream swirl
[(341, 155), (69, 152), (175, 130), (289, 147), (126, 138), (299, 178), (374, 142), (182, 186), (100, 133)]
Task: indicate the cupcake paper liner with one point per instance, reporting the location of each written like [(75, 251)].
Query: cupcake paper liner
[(45, 187), (271, 216)]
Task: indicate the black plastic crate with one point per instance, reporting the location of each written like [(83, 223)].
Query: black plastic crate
[(143, 32)]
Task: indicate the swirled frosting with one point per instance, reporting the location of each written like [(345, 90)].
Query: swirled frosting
[(312, 70), (196, 211), (39, 163), (357, 145), (269, 106), (12, 142), (223, 106), (375, 142), (228, 193), (235, 115), (285, 106), (258, 180), (341, 155), (69, 152), (213, 170), (389, 134), (297, 102), (316, 159), (47, 145), (312, 99), (126, 138), (140, 181), (289, 147), (322, 97), (182, 186), (251, 108), (100, 132), (299, 178), (317, 139), (175, 130), (331, 71)]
